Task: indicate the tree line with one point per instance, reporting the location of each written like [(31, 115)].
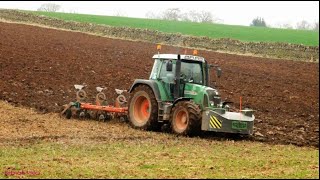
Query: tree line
[(302, 25), (175, 14)]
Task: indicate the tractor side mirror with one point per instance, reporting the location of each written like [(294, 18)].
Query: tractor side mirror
[(219, 72), (169, 66)]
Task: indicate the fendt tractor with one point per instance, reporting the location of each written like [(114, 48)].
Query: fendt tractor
[(178, 95)]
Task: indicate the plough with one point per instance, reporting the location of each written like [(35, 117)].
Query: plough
[(100, 110)]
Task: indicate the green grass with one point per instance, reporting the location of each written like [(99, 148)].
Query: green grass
[(46, 146), (173, 159), (243, 33)]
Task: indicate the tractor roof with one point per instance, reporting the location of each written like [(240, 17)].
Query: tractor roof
[(175, 56)]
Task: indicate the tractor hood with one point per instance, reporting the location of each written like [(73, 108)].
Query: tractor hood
[(203, 95)]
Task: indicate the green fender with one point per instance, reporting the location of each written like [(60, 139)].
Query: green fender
[(152, 84)]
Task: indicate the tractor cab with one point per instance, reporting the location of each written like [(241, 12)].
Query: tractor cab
[(192, 71)]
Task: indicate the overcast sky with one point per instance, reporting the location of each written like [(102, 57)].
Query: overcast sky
[(231, 12)]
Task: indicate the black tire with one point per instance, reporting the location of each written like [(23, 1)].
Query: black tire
[(82, 114), (93, 114), (186, 118), (142, 116), (101, 116), (68, 113)]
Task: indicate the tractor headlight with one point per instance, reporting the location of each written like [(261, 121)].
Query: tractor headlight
[(214, 98), (211, 103), (227, 107)]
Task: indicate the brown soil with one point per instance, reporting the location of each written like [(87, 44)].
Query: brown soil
[(38, 68)]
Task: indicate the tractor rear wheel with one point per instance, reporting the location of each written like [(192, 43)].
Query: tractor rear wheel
[(186, 118), (143, 109)]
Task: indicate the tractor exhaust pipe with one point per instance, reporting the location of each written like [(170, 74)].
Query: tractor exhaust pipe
[(176, 93)]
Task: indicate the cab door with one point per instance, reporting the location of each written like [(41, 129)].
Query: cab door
[(167, 76)]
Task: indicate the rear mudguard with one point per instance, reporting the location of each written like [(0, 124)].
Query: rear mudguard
[(220, 120)]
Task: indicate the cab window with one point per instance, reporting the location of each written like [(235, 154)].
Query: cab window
[(192, 72)]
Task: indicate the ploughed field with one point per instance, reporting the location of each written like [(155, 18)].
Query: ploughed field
[(39, 66)]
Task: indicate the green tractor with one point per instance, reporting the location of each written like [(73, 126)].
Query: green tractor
[(178, 95)]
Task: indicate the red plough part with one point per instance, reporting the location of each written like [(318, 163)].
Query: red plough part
[(89, 106), (101, 110)]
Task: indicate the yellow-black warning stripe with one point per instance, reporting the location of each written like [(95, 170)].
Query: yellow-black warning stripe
[(215, 123)]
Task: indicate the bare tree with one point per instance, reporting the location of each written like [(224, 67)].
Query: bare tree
[(304, 25), (217, 20), (151, 15), (49, 7), (287, 26), (171, 14), (185, 17), (73, 11), (120, 13), (203, 16), (316, 26), (194, 16), (283, 25), (190, 16), (206, 17)]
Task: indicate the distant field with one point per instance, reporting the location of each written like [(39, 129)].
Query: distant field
[(243, 33)]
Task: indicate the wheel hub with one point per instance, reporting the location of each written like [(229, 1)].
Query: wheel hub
[(181, 120), (141, 109)]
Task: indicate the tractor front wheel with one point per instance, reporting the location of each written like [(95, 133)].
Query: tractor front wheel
[(185, 118), (143, 109)]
